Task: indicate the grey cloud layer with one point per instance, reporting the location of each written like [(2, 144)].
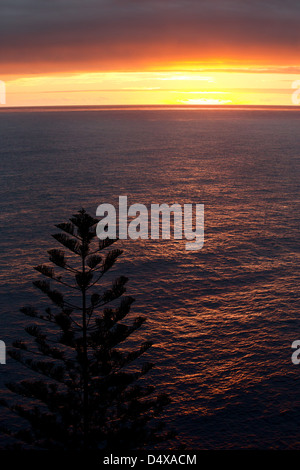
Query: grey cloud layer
[(58, 30)]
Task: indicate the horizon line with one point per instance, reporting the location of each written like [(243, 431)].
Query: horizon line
[(143, 106)]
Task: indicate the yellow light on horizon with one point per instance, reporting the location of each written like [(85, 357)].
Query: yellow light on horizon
[(150, 88), (208, 101)]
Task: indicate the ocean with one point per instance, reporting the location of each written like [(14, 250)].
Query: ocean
[(222, 319)]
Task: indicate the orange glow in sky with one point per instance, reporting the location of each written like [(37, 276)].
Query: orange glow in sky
[(128, 52), (150, 88)]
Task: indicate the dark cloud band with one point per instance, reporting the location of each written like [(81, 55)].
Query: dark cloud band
[(60, 34)]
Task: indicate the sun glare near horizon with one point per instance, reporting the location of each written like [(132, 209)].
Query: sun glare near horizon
[(212, 87)]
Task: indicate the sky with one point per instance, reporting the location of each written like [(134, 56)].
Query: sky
[(142, 52)]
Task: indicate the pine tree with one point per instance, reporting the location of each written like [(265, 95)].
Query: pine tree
[(84, 391)]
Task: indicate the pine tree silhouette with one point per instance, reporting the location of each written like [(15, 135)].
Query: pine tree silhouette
[(84, 391)]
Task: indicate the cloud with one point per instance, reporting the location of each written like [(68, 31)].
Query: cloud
[(62, 35)]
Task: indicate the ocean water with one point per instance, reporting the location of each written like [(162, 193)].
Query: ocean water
[(222, 319)]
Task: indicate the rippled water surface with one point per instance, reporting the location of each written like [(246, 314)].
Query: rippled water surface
[(222, 319)]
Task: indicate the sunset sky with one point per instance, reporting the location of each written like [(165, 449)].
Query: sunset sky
[(122, 52)]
